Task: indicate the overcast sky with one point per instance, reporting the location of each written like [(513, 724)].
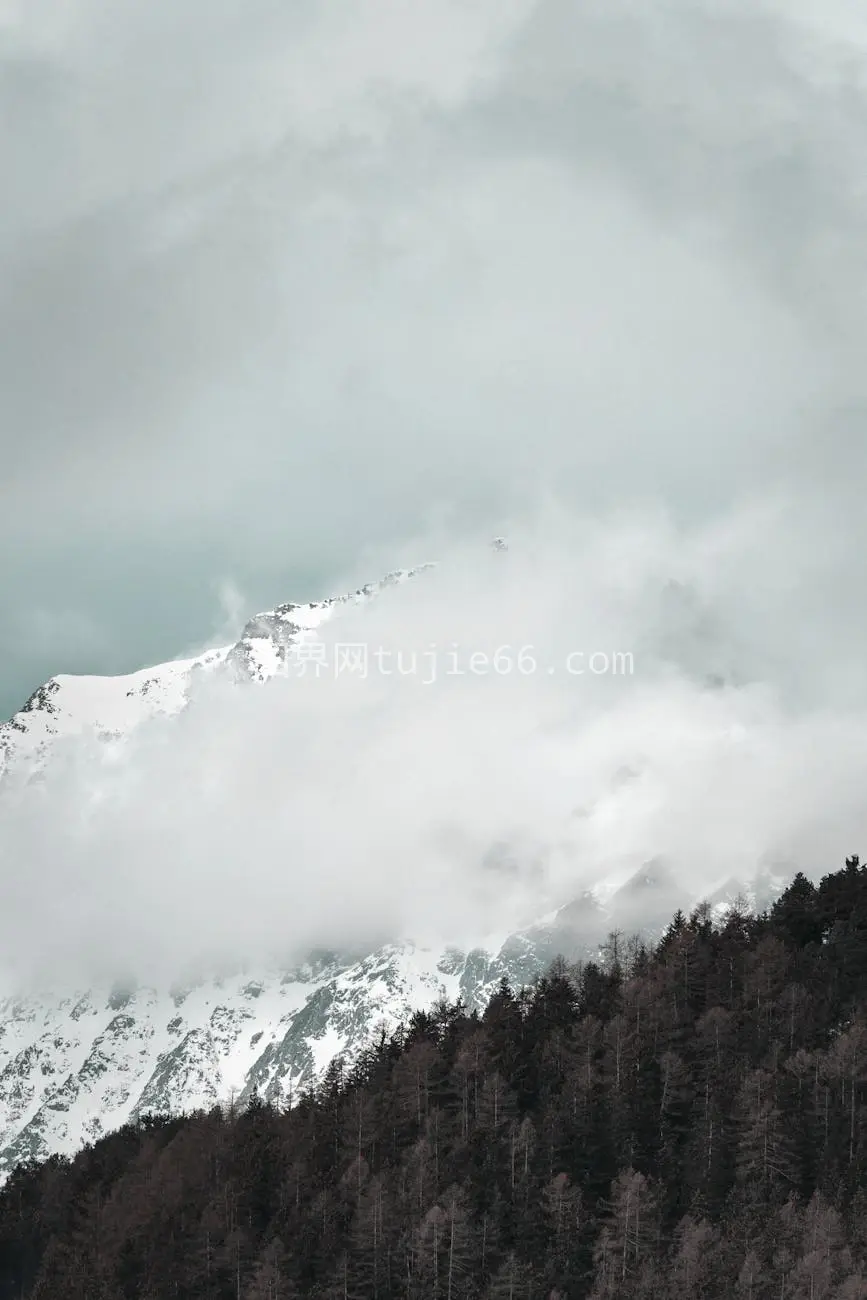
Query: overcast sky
[(296, 292), (282, 283)]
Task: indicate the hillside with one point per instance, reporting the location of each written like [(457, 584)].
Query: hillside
[(689, 1120), (78, 1064)]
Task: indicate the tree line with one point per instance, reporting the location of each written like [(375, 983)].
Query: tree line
[(686, 1120)]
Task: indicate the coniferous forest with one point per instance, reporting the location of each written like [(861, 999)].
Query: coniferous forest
[(686, 1121)]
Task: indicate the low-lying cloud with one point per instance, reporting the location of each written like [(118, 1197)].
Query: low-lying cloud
[(337, 808)]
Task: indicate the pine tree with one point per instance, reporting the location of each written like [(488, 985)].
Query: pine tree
[(513, 1280), (764, 1157), (694, 1267), (270, 1279), (823, 1261), (751, 1279), (370, 1249), (628, 1244)]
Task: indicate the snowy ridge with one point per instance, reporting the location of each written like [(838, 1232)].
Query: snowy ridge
[(75, 1067), (112, 707)]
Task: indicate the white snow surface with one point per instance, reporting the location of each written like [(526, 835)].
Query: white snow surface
[(111, 707), (77, 1066)]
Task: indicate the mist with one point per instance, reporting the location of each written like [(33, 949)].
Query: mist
[(467, 751), (294, 295)]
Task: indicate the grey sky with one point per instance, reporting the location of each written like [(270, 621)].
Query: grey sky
[(296, 293), (283, 284)]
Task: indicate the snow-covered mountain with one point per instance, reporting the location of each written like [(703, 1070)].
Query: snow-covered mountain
[(111, 707), (74, 1065)]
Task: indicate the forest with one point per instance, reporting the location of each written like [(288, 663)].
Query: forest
[(683, 1120)]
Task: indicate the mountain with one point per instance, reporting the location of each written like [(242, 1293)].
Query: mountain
[(694, 1125), (75, 1065), (111, 707)]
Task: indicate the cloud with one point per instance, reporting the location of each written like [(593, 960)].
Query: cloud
[(297, 293), (338, 809)]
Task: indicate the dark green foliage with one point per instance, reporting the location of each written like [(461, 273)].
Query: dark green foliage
[(689, 1122)]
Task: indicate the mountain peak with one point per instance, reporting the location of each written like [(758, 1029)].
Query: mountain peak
[(113, 706)]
